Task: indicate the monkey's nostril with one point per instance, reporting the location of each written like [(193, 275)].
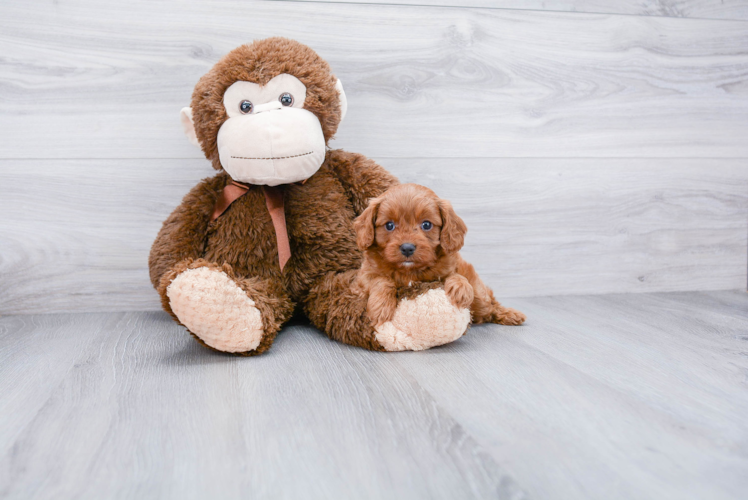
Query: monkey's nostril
[(407, 249)]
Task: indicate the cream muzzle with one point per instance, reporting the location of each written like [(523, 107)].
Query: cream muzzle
[(266, 142)]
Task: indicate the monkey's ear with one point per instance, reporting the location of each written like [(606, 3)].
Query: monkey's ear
[(189, 126), (364, 225), (453, 228), (343, 99)]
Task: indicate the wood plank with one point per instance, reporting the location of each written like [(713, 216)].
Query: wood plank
[(36, 353), (703, 9), (91, 79), (618, 396), (550, 227), (148, 413), (81, 229)]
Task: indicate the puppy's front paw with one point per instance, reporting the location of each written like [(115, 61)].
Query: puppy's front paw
[(459, 290), (509, 316), (381, 307)]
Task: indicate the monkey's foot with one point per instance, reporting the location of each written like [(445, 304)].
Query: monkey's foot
[(213, 307), (426, 321)]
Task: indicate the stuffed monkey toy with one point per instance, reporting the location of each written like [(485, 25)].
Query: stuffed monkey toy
[(273, 229)]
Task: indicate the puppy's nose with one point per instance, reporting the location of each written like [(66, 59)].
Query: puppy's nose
[(407, 249)]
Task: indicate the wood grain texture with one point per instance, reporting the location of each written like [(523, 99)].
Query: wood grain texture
[(148, 413), (703, 9), (82, 229), (92, 79), (620, 396), (52, 347)]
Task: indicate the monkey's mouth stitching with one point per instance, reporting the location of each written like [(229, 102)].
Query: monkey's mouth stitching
[(273, 157)]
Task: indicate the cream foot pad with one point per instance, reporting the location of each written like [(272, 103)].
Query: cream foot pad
[(215, 309), (426, 321)]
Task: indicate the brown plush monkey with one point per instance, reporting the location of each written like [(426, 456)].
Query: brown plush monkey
[(273, 229)]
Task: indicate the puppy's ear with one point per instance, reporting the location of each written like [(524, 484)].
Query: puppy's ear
[(364, 224), (453, 228)]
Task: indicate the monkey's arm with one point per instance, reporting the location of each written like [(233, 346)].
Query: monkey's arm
[(183, 233), (361, 177)]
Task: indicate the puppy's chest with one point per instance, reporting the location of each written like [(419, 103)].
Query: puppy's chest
[(402, 277)]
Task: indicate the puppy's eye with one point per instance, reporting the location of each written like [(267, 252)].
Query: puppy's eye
[(245, 107), (426, 225), (390, 226)]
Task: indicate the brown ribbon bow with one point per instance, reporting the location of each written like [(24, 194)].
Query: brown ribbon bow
[(274, 201)]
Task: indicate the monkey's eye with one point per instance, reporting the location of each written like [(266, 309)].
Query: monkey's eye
[(245, 107), (390, 226), (286, 99), (426, 225)]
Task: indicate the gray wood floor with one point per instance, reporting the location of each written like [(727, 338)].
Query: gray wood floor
[(617, 396)]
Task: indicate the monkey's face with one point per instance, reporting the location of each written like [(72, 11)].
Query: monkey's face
[(270, 138), (265, 112)]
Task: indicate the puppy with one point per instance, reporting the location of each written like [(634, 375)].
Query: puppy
[(407, 235)]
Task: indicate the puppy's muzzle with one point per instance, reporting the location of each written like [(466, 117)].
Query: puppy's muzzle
[(407, 249)]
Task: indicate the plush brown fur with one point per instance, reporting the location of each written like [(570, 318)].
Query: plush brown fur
[(319, 219), (419, 218), (319, 213)]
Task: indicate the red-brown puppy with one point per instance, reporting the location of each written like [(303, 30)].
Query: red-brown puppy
[(408, 234)]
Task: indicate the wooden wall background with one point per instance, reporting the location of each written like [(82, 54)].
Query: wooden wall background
[(592, 146)]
